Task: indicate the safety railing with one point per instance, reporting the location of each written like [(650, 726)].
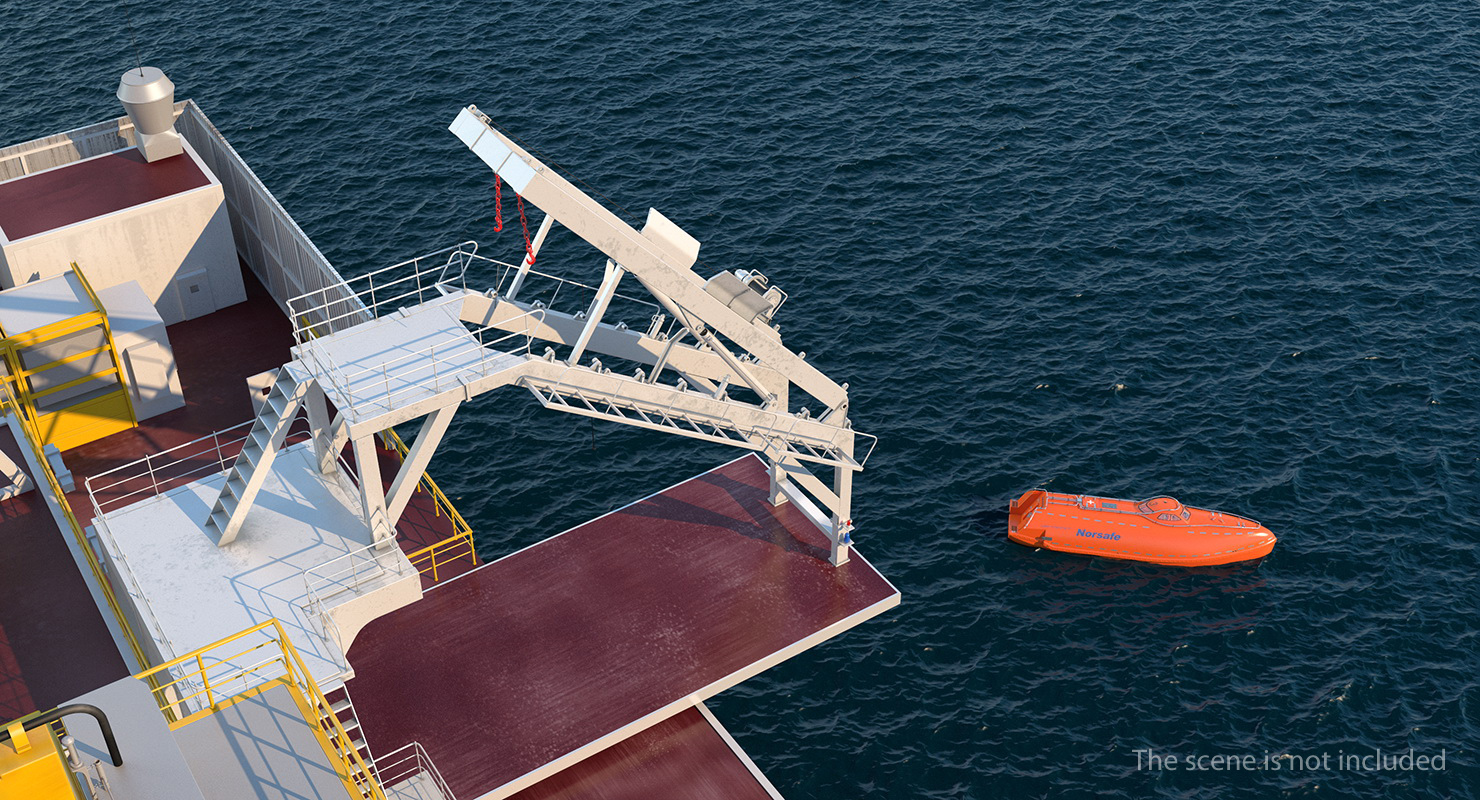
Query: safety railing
[(411, 282), (455, 547), (430, 559), (243, 665), (157, 473), (351, 573), (388, 385), (531, 286), (31, 439), (151, 476), (125, 572), (783, 427), (401, 765)]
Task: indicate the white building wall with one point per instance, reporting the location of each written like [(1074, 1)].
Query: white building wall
[(187, 234)]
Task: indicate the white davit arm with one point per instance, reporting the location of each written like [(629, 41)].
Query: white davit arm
[(661, 256)]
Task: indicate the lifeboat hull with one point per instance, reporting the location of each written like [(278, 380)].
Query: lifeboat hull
[(1157, 531)]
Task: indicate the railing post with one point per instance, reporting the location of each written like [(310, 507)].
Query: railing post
[(200, 665)]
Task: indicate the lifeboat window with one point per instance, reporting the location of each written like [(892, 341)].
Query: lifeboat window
[(1167, 516)]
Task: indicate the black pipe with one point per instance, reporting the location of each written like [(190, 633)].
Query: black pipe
[(76, 708)]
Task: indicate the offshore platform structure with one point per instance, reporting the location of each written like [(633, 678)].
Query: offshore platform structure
[(415, 342)]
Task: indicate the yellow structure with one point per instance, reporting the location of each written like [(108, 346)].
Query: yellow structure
[(214, 678), (457, 546), (66, 373), (31, 766)]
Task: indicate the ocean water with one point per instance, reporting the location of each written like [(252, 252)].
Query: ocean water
[(1224, 251)]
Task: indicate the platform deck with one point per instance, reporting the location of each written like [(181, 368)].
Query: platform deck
[(688, 755), (54, 641), (199, 593), (560, 650), (87, 189), (400, 359)]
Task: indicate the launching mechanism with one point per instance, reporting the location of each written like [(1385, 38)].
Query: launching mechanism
[(415, 341)]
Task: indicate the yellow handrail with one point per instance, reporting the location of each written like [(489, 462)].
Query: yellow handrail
[(133, 415), (32, 439), (431, 553), (462, 536), (172, 692)]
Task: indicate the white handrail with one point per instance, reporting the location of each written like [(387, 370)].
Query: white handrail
[(352, 570), (131, 586), (157, 467), (412, 367), (405, 763), (314, 309)]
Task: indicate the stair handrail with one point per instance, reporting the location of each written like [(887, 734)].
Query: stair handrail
[(30, 438), (405, 763), (188, 680)]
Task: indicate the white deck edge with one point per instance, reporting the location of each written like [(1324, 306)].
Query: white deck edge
[(211, 180), (643, 723), (739, 752)]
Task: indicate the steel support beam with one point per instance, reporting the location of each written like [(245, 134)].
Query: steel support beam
[(528, 260), (417, 458), (842, 516), (321, 430), (372, 492), (609, 281), (651, 258), (630, 344)]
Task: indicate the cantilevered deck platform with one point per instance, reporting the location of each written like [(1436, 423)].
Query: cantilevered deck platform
[(192, 592), (532, 663), (688, 755), (401, 360)]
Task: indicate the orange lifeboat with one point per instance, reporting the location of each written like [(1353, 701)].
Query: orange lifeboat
[(1160, 530)]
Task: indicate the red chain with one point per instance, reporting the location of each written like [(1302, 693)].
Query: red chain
[(523, 223), (498, 203)]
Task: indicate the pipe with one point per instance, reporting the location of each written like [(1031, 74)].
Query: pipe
[(76, 708)]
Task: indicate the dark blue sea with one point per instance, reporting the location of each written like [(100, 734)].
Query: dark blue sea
[(1224, 251)]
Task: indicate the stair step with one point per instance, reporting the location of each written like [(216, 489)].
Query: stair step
[(592, 402), (236, 484)]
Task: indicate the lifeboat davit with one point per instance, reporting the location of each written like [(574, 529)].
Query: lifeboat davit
[(1160, 530)]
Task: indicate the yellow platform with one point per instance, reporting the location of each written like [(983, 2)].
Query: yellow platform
[(58, 355)]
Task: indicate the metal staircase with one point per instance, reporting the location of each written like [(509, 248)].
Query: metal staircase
[(255, 460), (343, 709), (782, 437)]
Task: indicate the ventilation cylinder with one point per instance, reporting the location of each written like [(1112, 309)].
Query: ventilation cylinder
[(149, 98)]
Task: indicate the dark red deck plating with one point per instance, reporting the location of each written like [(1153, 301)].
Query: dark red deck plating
[(87, 189), (682, 756), (530, 658)]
